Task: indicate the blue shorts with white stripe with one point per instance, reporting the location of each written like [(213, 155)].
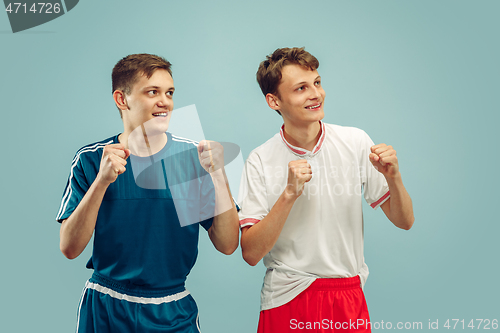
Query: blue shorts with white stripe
[(107, 306)]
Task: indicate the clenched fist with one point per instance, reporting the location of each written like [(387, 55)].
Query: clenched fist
[(211, 155), (113, 161), (299, 173), (384, 159)]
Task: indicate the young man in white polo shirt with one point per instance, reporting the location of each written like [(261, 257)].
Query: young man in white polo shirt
[(311, 235)]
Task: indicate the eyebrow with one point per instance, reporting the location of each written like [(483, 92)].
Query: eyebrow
[(304, 82), (157, 88)]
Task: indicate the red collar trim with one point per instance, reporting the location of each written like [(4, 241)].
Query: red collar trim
[(301, 151)]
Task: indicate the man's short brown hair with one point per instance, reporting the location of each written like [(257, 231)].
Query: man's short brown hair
[(269, 72), (128, 70)]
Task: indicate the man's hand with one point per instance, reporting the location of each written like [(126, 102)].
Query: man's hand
[(211, 155), (398, 208), (113, 163), (225, 229), (384, 159), (299, 173), (259, 239), (76, 231)]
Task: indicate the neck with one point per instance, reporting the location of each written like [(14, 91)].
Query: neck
[(304, 137), (141, 143)]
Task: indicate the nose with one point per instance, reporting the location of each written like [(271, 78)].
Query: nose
[(164, 102), (315, 92)]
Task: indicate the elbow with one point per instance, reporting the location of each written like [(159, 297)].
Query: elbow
[(249, 259), (408, 223), (251, 262), (66, 245), (252, 253), (228, 250), (68, 252)]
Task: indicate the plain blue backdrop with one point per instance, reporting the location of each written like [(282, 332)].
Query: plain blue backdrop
[(422, 76)]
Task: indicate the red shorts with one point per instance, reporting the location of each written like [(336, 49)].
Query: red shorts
[(328, 305)]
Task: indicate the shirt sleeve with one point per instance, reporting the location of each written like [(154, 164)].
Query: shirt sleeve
[(76, 187), (252, 195), (375, 188)]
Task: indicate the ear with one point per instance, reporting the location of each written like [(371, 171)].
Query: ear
[(273, 102), (120, 101)]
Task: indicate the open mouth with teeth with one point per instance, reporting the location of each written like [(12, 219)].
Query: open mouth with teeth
[(314, 107), (160, 114)]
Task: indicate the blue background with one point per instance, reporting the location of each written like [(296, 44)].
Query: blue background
[(420, 75)]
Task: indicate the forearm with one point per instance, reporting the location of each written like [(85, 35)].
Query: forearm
[(224, 231), (400, 205), (76, 231), (259, 239)]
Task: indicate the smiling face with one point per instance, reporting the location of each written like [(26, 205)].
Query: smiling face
[(150, 100), (300, 96)]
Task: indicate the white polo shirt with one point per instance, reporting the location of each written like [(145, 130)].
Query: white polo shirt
[(323, 234)]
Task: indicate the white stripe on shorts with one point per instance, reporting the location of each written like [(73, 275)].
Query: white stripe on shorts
[(198, 322), (80, 306), (135, 299)]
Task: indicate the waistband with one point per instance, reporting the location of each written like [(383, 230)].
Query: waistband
[(336, 284), (133, 290)]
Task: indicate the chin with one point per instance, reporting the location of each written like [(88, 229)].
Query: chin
[(157, 125), (318, 116)]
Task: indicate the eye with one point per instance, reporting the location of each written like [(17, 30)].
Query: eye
[(152, 92), (318, 83), (301, 88), (170, 93)]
